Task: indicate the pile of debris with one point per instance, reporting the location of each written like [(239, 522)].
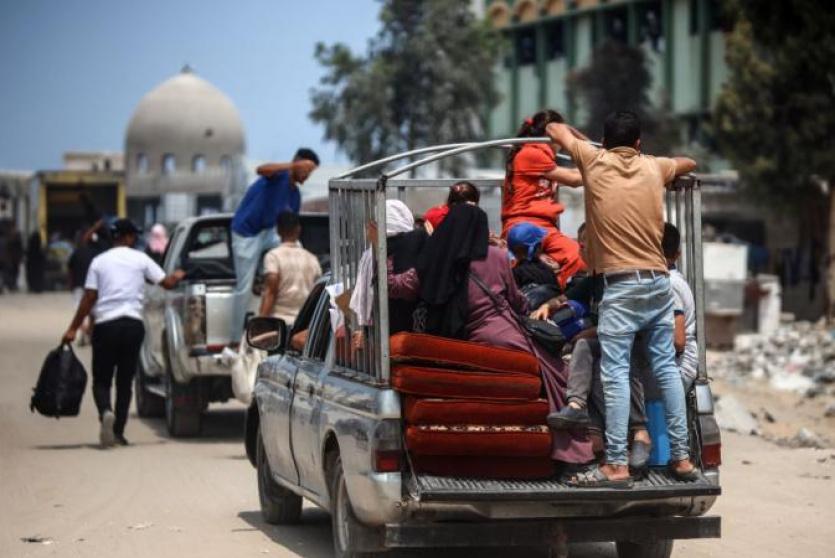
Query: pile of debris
[(799, 357)]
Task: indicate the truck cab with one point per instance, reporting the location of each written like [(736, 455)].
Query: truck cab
[(327, 425)]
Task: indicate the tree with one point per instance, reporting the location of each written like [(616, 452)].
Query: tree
[(774, 118), (618, 79), (426, 79)]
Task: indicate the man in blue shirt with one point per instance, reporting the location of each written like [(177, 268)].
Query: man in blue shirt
[(253, 226)]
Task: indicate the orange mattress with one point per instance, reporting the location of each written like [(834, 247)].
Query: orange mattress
[(430, 350), (465, 384), (484, 467), (466, 411), (481, 440)]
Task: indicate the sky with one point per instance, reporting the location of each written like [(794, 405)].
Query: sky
[(72, 71)]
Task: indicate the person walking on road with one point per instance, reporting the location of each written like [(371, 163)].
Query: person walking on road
[(113, 291), (625, 218), (253, 226)]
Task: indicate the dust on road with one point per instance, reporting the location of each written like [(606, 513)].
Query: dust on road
[(166, 498)]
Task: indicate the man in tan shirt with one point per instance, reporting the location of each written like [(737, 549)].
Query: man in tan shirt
[(290, 272), (624, 192)]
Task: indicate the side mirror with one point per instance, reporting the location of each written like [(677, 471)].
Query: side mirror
[(266, 333)]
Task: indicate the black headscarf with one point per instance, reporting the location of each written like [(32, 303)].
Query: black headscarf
[(404, 250), (444, 267)]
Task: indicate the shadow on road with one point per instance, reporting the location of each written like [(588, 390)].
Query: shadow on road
[(95, 446), (219, 425), (311, 538)]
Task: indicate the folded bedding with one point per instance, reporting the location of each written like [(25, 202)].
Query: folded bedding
[(465, 384), (442, 352), (428, 411), (479, 440)]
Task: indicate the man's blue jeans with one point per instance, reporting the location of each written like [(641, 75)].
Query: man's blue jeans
[(247, 251), (630, 306)]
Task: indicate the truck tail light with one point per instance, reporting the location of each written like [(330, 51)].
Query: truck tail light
[(711, 441), (387, 450), (195, 324), (388, 461), (712, 455)]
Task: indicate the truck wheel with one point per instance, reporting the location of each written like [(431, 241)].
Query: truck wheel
[(183, 412), (279, 506), (656, 549), (148, 405), (345, 526)]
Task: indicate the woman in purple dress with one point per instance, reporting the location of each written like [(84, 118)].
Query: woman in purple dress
[(459, 307)]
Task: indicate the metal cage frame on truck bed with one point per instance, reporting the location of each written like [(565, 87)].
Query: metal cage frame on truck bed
[(354, 202)]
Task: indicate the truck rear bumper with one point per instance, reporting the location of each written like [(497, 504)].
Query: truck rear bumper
[(545, 532)]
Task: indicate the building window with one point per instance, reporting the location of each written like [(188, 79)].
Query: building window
[(169, 164), (525, 46), (198, 164), (141, 163), (615, 25), (651, 26), (555, 40), (226, 163), (209, 204)]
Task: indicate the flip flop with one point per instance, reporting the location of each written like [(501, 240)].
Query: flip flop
[(594, 478), (639, 457), (693, 474)]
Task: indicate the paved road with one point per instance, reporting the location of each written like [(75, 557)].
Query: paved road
[(167, 498)]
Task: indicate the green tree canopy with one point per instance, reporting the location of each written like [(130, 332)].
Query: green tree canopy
[(774, 119), (618, 79), (426, 79)]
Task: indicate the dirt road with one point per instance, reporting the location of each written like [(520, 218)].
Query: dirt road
[(166, 498)]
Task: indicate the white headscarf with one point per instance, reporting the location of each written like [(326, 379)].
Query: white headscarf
[(399, 219)]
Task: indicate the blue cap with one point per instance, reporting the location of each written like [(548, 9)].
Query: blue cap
[(527, 235)]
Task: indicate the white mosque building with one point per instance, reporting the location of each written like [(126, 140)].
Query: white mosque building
[(184, 152)]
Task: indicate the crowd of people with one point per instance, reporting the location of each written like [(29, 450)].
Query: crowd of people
[(627, 313)]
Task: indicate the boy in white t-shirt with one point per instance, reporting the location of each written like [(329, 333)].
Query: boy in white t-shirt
[(113, 292)]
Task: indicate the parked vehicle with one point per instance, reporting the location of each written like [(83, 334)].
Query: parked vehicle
[(181, 366), (327, 426)]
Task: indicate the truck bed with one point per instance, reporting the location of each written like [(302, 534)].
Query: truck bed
[(656, 485)]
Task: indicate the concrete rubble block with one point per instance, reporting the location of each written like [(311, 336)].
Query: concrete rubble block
[(829, 412), (733, 416), (806, 438)]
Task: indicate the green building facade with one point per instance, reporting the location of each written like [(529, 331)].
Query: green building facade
[(684, 41)]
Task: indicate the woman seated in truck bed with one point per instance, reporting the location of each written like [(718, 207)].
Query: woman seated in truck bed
[(457, 306)]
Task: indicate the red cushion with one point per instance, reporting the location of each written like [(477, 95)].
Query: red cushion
[(437, 382), (515, 441), (452, 353), (464, 411), (484, 467)]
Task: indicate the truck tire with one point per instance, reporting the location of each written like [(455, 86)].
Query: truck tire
[(148, 405), (183, 416), (656, 549), (345, 526), (279, 506)]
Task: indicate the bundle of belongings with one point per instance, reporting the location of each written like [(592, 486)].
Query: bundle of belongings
[(470, 409)]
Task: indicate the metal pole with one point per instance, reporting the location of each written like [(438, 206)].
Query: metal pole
[(699, 286)]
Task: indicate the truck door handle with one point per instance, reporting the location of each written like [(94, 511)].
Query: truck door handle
[(310, 389), (289, 383)]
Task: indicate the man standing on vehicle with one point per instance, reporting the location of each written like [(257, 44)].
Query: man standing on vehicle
[(290, 272), (625, 220), (114, 290), (253, 226)]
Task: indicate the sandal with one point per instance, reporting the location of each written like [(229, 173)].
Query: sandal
[(595, 478), (693, 474)]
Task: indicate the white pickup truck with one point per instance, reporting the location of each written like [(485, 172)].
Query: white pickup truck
[(181, 367), (331, 431)]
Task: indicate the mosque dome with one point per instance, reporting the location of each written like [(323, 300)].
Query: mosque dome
[(184, 125)]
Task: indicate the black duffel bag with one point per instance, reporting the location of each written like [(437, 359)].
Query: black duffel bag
[(60, 385)]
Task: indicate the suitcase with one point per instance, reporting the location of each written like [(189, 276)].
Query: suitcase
[(61, 384)]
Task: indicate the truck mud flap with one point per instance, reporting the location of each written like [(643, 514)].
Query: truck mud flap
[(656, 485), (538, 532)]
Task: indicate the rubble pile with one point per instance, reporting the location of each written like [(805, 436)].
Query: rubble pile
[(799, 357)]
